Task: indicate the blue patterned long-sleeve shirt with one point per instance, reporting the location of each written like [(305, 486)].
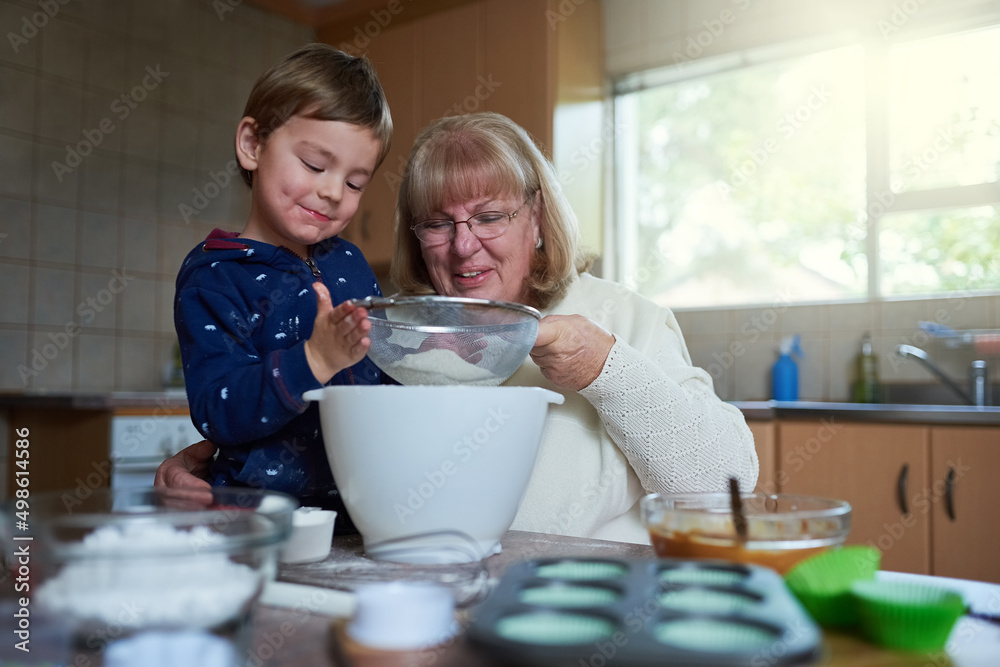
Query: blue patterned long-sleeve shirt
[(243, 311)]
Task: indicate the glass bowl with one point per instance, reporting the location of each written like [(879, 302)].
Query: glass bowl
[(441, 340), (150, 562), (782, 529)]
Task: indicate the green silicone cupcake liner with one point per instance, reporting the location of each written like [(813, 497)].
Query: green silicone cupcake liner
[(700, 634), (702, 575), (906, 616), (823, 582), (561, 595), (580, 570), (554, 629), (705, 600)]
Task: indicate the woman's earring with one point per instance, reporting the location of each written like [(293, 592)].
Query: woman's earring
[(539, 243)]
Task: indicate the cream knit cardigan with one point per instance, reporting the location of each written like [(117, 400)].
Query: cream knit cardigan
[(650, 422)]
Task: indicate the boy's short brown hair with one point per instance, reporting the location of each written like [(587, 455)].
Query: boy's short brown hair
[(320, 82)]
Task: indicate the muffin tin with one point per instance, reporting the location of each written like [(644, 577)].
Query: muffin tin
[(585, 611)]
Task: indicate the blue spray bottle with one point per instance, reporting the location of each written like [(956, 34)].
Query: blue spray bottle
[(785, 374)]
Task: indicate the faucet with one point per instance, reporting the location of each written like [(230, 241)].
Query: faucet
[(978, 380)]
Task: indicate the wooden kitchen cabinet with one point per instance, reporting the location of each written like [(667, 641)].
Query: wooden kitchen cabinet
[(874, 467), (373, 227), (964, 495), (947, 476), (72, 442), (764, 442), (68, 449)]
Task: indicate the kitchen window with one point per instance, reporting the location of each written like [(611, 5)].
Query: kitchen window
[(852, 171)]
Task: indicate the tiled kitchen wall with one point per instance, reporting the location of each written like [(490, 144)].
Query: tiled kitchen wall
[(739, 346), (117, 120)]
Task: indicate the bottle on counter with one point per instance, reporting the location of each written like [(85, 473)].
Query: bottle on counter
[(867, 388), (785, 373)]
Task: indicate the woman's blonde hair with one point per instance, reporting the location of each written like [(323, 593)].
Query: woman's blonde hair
[(460, 158), (320, 82)]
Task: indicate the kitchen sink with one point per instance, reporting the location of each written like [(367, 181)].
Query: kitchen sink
[(920, 393)]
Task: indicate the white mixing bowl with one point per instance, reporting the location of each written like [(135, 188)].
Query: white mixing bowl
[(432, 474)]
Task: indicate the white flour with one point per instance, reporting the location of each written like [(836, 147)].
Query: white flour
[(123, 581), (439, 367)]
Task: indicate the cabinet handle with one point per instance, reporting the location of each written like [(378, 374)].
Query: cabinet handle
[(949, 494), (904, 472)]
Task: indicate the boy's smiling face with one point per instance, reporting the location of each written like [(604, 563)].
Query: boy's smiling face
[(308, 177)]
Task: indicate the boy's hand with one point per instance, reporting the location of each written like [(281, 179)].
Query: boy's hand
[(339, 338)]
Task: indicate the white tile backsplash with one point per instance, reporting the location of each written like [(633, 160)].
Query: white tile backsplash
[(249, 50), (14, 372), (137, 196), (136, 363), (95, 367), (100, 182), (15, 228), (181, 90), (99, 115), (64, 47), (752, 369), (105, 67), (97, 301), (176, 188), (137, 311), (99, 240), (15, 166), (17, 99), (56, 173), (139, 123), (15, 288), (962, 312), (55, 234), (53, 298), (24, 48), (740, 357), (138, 244), (805, 319), (60, 112), (50, 360)]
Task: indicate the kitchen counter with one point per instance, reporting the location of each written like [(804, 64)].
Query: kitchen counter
[(176, 399), (169, 399), (314, 640), (299, 634), (872, 412)]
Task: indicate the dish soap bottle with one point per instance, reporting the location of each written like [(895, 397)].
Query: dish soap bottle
[(785, 374), (866, 385)]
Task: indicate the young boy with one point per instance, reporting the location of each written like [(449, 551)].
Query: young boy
[(255, 312)]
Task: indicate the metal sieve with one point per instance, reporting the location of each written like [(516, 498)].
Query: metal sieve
[(440, 340)]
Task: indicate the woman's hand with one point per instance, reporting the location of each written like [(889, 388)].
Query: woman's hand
[(571, 350), (186, 468), (339, 338)]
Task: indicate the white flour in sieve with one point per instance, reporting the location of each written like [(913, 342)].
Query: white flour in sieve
[(438, 367), (123, 580)]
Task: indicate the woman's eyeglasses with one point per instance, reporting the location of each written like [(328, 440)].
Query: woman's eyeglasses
[(486, 225)]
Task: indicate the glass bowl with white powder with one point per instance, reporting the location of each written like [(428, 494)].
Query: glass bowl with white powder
[(440, 340), (156, 560)]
